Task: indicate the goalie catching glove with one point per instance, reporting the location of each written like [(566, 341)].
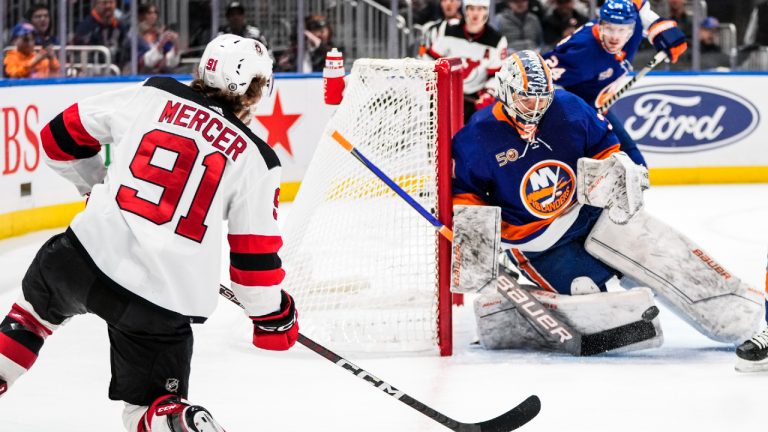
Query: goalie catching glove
[(279, 330), (615, 184)]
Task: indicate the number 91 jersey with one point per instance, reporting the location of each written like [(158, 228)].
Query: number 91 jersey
[(154, 221)]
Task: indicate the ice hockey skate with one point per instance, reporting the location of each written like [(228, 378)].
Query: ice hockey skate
[(174, 414), (753, 354)]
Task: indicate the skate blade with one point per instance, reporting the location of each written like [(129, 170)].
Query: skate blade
[(746, 366)]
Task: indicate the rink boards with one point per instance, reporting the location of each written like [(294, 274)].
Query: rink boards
[(692, 128)]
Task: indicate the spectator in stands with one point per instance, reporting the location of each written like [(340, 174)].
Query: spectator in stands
[(317, 42), (451, 10), (101, 27), (23, 62), (451, 14), (158, 46), (425, 11), (562, 21), (737, 12), (712, 55), (40, 17), (684, 18), (236, 24), (534, 6), (521, 28)]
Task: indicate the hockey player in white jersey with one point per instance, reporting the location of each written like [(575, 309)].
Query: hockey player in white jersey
[(145, 253), (481, 49)]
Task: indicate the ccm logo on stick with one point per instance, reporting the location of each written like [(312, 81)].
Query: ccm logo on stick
[(379, 384), (536, 311)]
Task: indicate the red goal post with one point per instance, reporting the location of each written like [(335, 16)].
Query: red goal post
[(368, 273)]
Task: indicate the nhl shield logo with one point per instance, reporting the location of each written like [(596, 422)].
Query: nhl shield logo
[(172, 385)]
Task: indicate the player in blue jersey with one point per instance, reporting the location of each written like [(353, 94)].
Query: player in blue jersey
[(570, 207), (593, 60)]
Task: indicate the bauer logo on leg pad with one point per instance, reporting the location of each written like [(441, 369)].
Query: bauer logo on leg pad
[(534, 310), (712, 263)]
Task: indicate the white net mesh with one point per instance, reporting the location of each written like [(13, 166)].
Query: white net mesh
[(361, 263)]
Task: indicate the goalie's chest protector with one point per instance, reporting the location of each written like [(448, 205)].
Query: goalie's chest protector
[(582, 66), (532, 183)]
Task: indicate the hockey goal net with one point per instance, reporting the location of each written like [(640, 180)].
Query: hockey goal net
[(367, 272)]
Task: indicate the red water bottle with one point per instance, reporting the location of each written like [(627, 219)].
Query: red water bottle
[(333, 77)]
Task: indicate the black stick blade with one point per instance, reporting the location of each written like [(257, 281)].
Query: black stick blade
[(621, 336), (513, 418)]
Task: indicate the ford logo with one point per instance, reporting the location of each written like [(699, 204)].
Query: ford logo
[(676, 118)]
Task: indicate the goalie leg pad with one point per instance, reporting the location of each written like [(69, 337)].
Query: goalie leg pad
[(500, 326), (684, 277)]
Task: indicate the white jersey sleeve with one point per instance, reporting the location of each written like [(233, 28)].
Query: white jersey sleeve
[(180, 166), (647, 15), (254, 240), (73, 153)]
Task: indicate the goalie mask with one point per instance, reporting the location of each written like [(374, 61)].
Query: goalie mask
[(525, 89), (230, 62), (617, 24)]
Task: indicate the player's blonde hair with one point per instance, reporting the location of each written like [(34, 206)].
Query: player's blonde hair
[(239, 105)]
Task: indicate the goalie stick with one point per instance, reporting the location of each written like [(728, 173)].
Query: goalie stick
[(509, 421), (655, 61), (542, 320)]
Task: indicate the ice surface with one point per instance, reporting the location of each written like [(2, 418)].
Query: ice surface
[(687, 385)]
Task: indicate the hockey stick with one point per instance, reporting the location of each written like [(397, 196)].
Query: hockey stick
[(509, 421), (655, 61), (542, 320)]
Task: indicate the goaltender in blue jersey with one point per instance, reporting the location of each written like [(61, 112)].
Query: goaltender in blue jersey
[(537, 161), (572, 219), (593, 61)]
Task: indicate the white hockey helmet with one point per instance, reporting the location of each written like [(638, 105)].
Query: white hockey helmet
[(525, 86), (482, 3), (230, 62)]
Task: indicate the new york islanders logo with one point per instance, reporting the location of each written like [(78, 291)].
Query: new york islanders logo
[(547, 188)]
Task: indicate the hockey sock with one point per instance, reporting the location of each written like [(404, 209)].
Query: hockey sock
[(21, 337)]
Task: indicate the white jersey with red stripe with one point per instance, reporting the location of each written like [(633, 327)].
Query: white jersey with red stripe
[(181, 166), (481, 54)]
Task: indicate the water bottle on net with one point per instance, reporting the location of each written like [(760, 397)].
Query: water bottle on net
[(333, 77)]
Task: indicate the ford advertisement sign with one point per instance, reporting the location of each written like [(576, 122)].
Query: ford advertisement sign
[(677, 118)]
